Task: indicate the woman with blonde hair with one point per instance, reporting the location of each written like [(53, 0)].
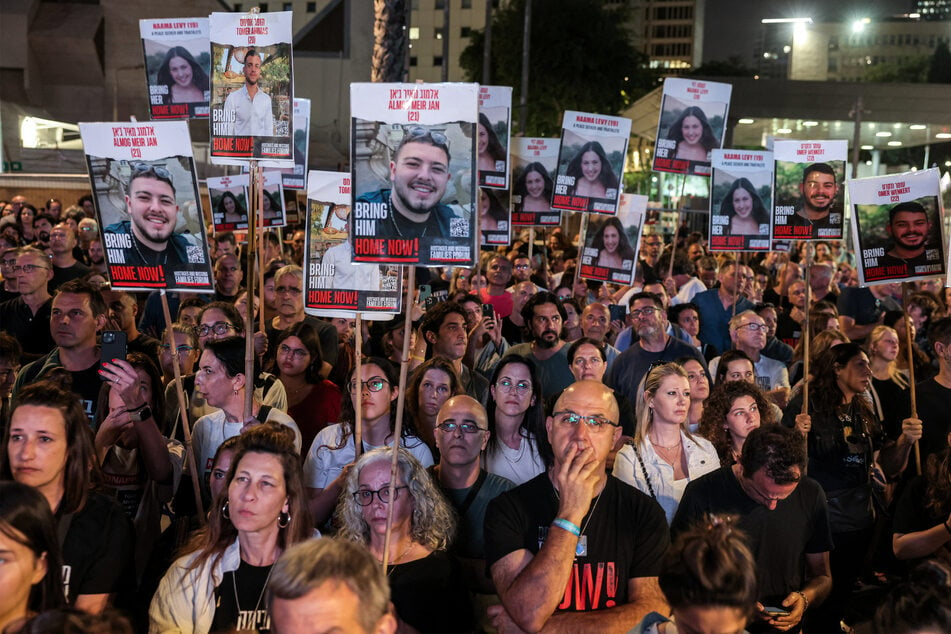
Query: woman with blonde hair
[(664, 456), (426, 582), (890, 396)]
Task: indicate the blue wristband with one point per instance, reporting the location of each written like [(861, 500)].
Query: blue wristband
[(565, 525)]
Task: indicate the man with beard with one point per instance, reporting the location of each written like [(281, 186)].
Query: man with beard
[(247, 111), (153, 213), (545, 317), (419, 172), (654, 345), (42, 227), (444, 329), (97, 257), (818, 189), (909, 226)]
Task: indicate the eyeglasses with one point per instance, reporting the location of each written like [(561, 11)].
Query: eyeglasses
[(594, 423), (143, 168), (521, 388), (11, 262), (297, 353), (647, 311), (219, 328), (466, 428), (374, 384), (280, 290), (181, 349), (754, 327), (364, 497), (27, 268)]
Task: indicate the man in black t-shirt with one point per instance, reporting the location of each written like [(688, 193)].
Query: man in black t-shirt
[(785, 516), (574, 547)]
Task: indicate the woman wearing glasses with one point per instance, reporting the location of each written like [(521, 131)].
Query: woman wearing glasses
[(515, 421), (312, 402), (220, 584), (374, 392), (186, 345), (664, 456), (427, 585), (222, 381)]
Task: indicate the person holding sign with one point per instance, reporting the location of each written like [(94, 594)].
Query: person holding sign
[(909, 226), (419, 172), (184, 78), (247, 111), (592, 172), (612, 245), (818, 189), (694, 136), (534, 188), (743, 206), (153, 214)]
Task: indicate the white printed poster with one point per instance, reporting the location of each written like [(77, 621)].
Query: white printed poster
[(177, 67), (741, 195), (611, 242), (692, 124), (809, 193), (495, 126), (591, 162), (534, 163)]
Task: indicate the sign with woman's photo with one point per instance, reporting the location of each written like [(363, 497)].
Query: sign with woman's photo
[(230, 199), (809, 192), (272, 200), (741, 196), (145, 192), (335, 285), (692, 124), (296, 177), (252, 89), (896, 221), (611, 242), (495, 124), (177, 66), (534, 163), (414, 173), (590, 162), (494, 224)]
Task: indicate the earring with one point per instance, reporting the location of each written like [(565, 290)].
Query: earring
[(224, 511), (235, 390), (283, 519)]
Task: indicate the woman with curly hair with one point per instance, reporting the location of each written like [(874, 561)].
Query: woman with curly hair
[(375, 391), (427, 585), (612, 244), (185, 79), (693, 134), (732, 411), (743, 206), (921, 526), (533, 189), (431, 385), (491, 150), (592, 173)]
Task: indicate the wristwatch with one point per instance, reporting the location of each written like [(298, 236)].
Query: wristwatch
[(140, 414)]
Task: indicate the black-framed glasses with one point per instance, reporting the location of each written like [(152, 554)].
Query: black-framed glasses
[(297, 353), (374, 384), (754, 327), (521, 388), (293, 290), (182, 349), (27, 268), (594, 423), (364, 497), (466, 428), (219, 328), (646, 311)]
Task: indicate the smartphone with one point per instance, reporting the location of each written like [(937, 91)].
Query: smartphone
[(488, 311), (425, 292), (618, 313), (776, 611), (114, 345)]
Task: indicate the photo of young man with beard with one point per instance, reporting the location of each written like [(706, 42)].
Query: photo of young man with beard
[(819, 190)]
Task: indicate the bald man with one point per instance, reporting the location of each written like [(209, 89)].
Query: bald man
[(575, 548)]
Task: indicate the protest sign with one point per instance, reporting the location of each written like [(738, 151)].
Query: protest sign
[(177, 65), (495, 124), (896, 221), (809, 198), (146, 196), (335, 285), (414, 168), (494, 223), (252, 89), (534, 161), (741, 196), (590, 162), (228, 196), (692, 123), (296, 177), (611, 242)]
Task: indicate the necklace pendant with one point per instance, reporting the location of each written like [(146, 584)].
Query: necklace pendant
[(581, 549)]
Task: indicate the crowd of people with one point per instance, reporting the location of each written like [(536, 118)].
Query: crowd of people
[(571, 455)]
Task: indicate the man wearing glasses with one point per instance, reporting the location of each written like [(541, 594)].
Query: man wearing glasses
[(27, 317), (654, 345), (818, 189), (576, 549), (748, 332), (461, 436), (419, 173)]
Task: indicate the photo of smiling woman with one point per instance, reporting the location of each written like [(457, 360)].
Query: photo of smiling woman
[(744, 208), (612, 245), (186, 81), (592, 172), (533, 189), (693, 135)]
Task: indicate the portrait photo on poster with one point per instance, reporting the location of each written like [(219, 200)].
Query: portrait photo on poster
[(228, 196), (152, 225), (809, 200), (414, 199), (589, 172), (687, 134), (491, 146), (534, 163), (177, 67), (740, 203), (494, 216)]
